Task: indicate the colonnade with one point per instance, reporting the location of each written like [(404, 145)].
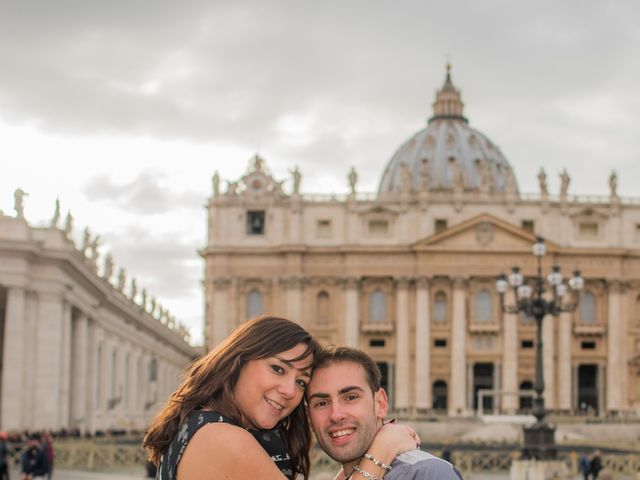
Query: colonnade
[(70, 364)]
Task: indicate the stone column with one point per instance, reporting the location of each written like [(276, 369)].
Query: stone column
[(564, 362), (510, 387), (423, 346), (65, 365), (403, 349), (121, 377), (294, 298), (48, 368), (221, 322), (106, 363), (457, 402), (548, 363), (12, 360), (79, 372), (352, 324), (134, 385), (615, 349), (95, 379)]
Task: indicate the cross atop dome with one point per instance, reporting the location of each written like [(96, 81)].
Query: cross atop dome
[(448, 104)]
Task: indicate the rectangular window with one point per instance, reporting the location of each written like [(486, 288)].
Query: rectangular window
[(377, 342), (440, 342), (526, 344), (440, 225), (378, 227), (323, 229), (588, 229), (637, 231), (528, 225), (588, 345), (255, 222)]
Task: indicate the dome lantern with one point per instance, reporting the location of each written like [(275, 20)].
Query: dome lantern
[(448, 104)]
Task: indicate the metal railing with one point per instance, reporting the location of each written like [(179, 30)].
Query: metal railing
[(483, 458)]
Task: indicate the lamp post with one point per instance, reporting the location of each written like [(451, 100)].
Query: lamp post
[(530, 300)]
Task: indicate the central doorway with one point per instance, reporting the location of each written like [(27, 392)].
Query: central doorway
[(588, 389), (483, 380)]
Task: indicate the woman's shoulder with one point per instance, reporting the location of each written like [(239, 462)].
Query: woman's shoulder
[(225, 448)]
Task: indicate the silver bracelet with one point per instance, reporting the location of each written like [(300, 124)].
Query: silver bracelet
[(365, 474), (377, 462)]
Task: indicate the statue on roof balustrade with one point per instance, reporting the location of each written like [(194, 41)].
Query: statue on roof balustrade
[(353, 180), (108, 267), (297, 178), (56, 214), (613, 184), (215, 182), (18, 202), (542, 181), (565, 179), (122, 279), (68, 224)]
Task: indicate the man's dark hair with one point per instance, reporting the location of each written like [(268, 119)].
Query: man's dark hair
[(340, 354)]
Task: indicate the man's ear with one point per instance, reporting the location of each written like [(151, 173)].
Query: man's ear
[(381, 403)]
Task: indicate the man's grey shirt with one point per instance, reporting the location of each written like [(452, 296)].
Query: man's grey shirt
[(418, 465)]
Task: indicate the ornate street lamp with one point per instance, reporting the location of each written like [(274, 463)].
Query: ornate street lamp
[(539, 438)]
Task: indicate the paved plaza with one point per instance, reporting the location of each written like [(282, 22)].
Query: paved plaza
[(84, 475)]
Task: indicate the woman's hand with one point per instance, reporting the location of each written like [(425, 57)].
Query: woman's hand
[(397, 438), (390, 441)]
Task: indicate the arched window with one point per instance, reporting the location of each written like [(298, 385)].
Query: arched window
[(440, 308), (588, 308), (377, 306), (254, 303), (484, 307), (322, 308), (440, 395), (526, 401)]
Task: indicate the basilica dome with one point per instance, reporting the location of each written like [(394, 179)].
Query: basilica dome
[(448, 154)]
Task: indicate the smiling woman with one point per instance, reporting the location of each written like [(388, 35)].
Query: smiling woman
[(244, 395)]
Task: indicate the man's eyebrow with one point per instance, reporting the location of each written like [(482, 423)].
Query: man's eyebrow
[(304, 371), (350, 388), (342, 391)]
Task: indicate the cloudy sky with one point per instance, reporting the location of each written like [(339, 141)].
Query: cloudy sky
[(125, 109)]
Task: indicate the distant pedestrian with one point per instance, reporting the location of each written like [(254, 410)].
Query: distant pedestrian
[(4, 456), (585, 467), (595, 464), (46, 442), (446, 454), (34, 461)]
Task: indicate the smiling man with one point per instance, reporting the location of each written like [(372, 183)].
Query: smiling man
[(347, 406)]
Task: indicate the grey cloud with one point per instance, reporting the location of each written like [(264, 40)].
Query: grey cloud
[(226, 72), (166, 265), (247, 63), (148, 194)]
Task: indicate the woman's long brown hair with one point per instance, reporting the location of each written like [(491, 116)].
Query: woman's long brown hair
[(211, 379)]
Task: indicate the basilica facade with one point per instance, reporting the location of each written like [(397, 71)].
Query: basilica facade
[(408, 274), (80, 349)]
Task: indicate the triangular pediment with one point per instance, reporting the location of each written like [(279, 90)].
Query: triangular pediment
[(483, 232)]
